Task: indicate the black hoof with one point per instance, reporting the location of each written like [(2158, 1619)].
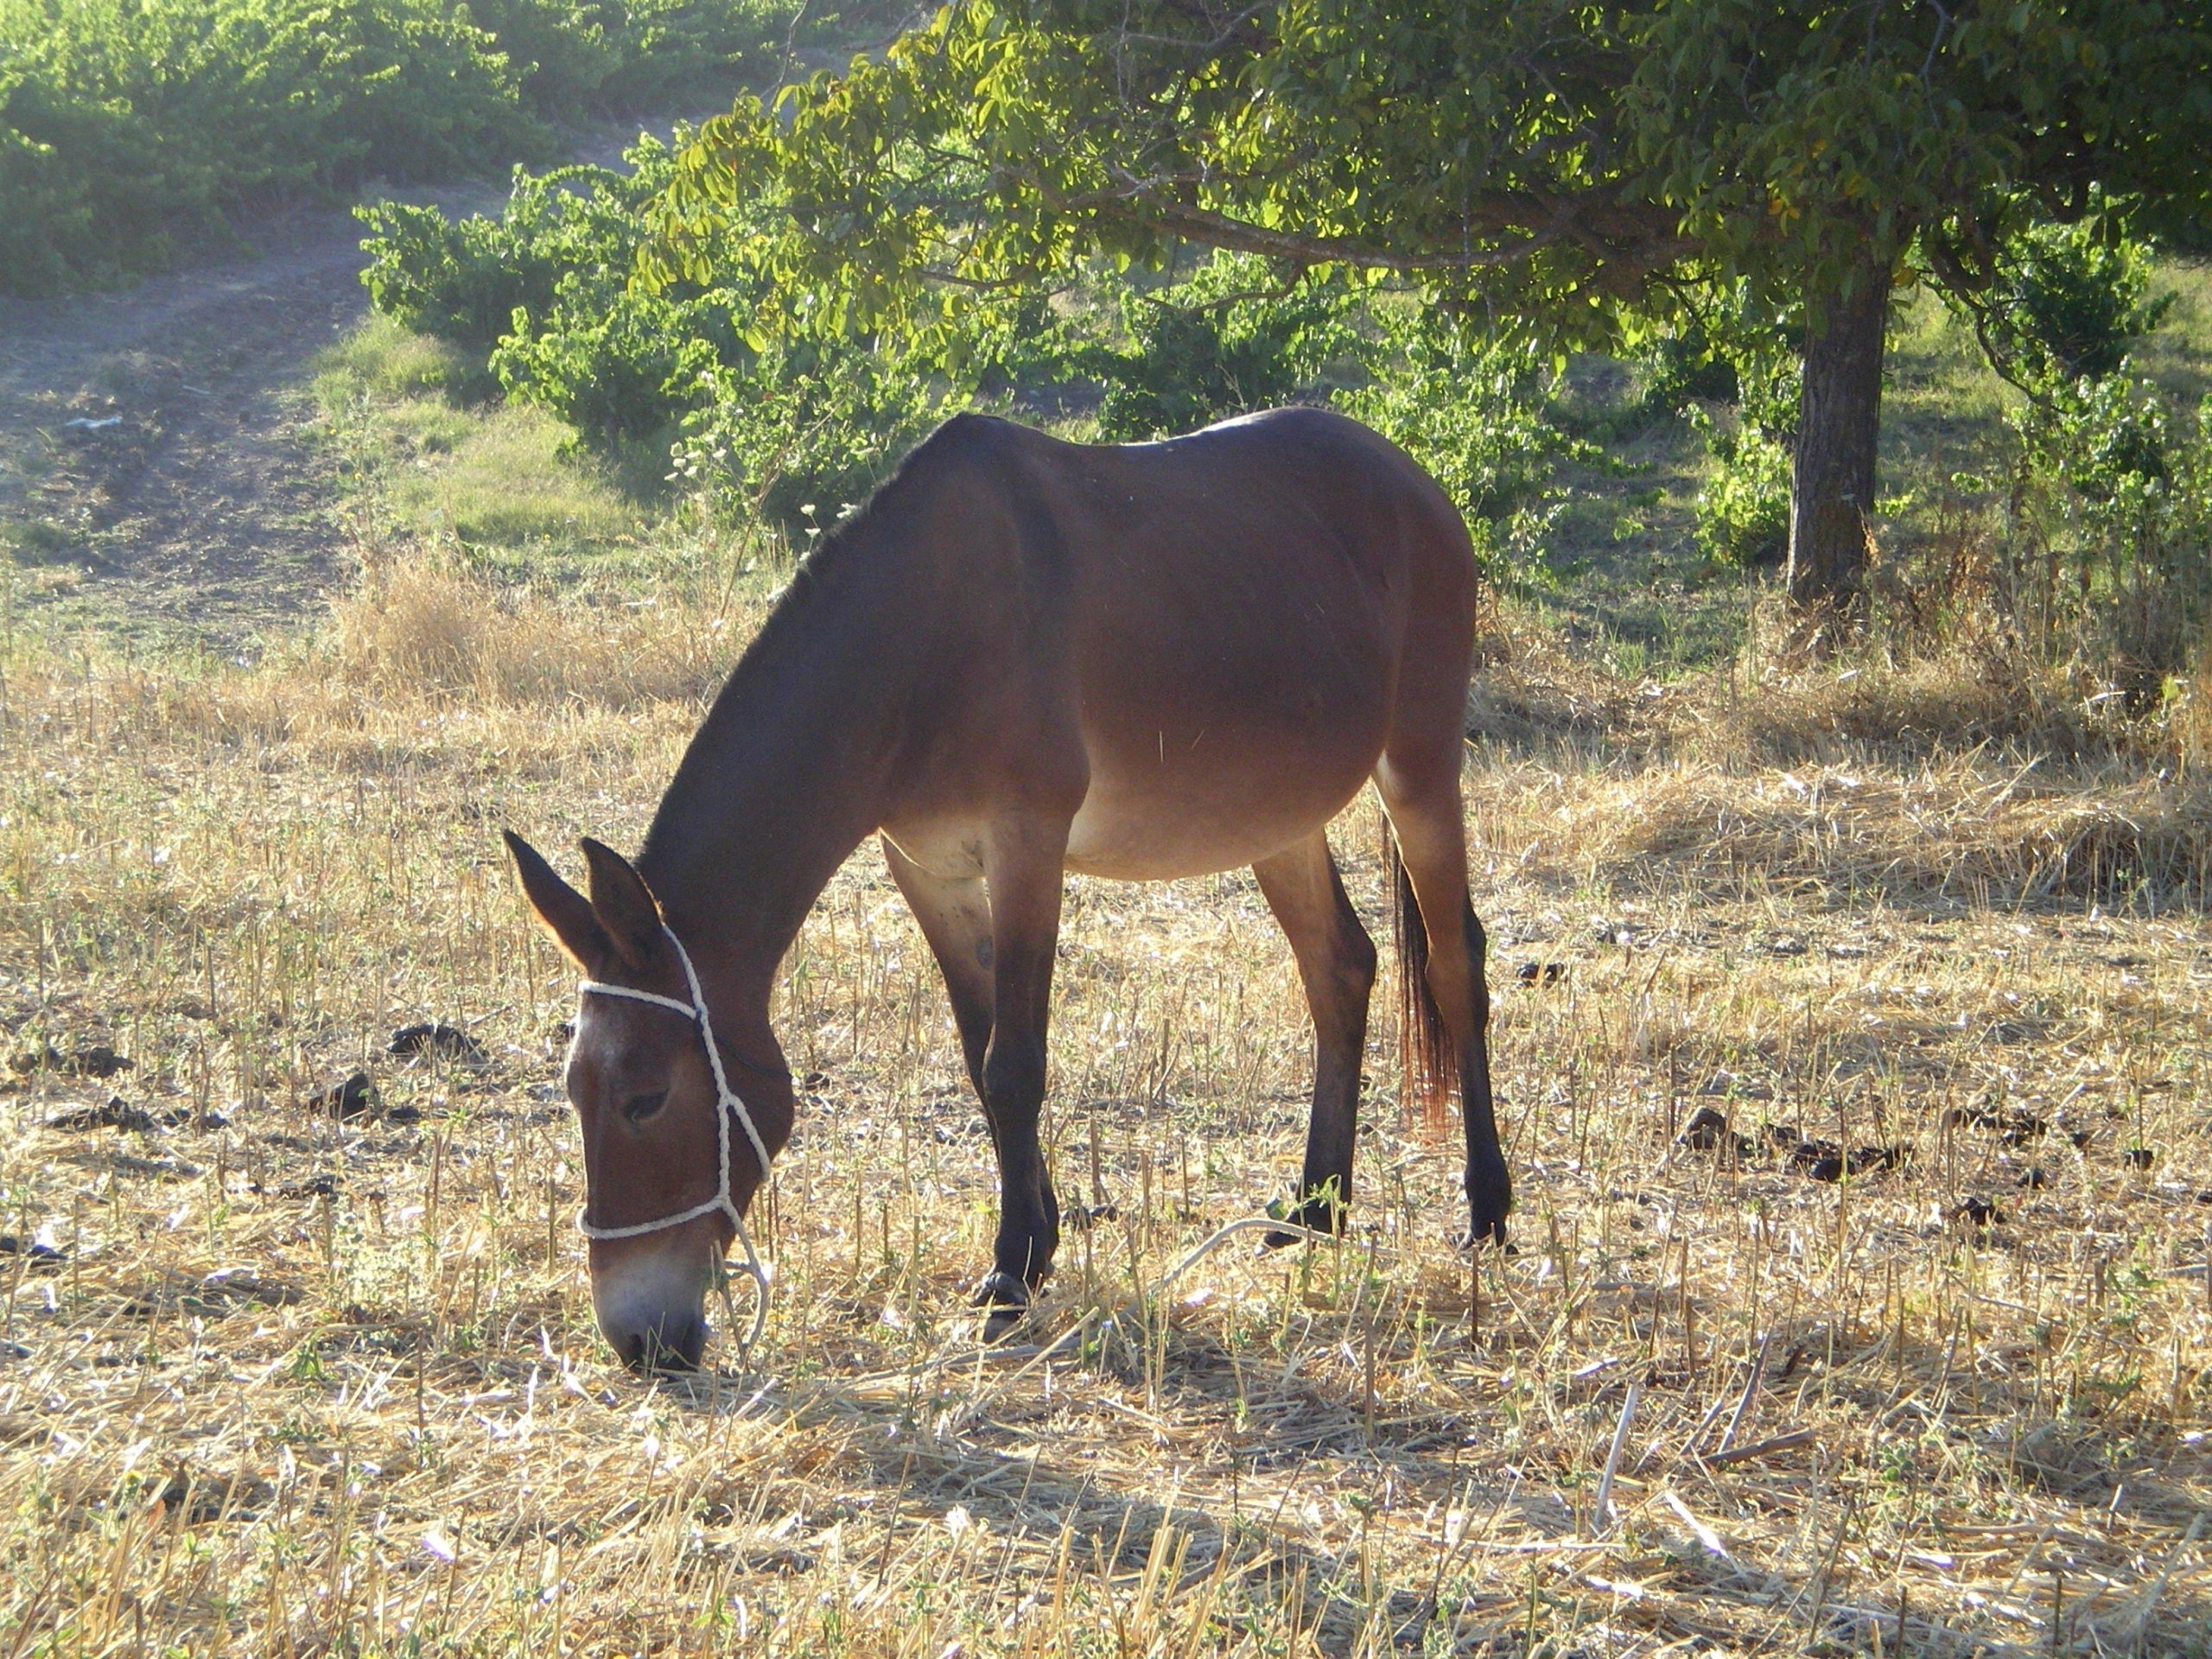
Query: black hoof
[(1491, 1232), (1005, 1300), (1315, 1218)]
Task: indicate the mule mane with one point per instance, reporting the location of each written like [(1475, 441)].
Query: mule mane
[(850, 538), (780, 677)]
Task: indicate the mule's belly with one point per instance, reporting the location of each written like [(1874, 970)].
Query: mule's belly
[(1178, 812), (1162, 821)]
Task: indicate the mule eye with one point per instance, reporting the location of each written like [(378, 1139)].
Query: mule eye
[(638, 1107)]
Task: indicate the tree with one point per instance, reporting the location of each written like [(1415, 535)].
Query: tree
[(1569, 169)]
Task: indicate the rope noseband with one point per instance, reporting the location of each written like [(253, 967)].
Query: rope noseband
[(727, 1106)]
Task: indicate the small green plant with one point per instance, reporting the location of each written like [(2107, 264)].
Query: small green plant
[(1470, 409), (1228, 341), (1743, 512)]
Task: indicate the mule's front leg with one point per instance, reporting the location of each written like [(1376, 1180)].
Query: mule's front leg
[(1024, 865)]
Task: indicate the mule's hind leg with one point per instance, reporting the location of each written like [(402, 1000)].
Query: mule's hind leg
[(1336, 960), (1421, 796)]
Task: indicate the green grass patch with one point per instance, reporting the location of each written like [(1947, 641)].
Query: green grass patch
[(430, 455), (510, 486), (41, 542), (382, 360)]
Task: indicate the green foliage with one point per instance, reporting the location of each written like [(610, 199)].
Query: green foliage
[(464, 280), (2112, 501), (615, 55), (1684, 368), (620, 366), (1226, 342), (1742, 512), (130, 127), (786, 431), (1551, 155), (125, 127), (2069, 301), (1470, 410), (1581, 169), (805, 433)]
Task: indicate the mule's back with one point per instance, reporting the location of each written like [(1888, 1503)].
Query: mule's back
[(1221, 626)]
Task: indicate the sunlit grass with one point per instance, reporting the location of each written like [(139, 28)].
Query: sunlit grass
[(311, 1385), (290, 1384), (443, 460)]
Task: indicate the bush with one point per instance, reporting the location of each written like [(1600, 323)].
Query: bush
[(464, 280), (129, 127), (2069, 301), (125, 128), (2114, 531), (1743, 512), (784, 433), (805, 433), (1222, 343), (1680, 369), (1470, 410), (620, 365)]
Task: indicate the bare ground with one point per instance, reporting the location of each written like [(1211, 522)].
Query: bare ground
[(153, 463)]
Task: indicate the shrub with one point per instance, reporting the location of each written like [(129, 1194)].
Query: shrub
[(2069, 301), (127, 127), (1222, 343), (2116, 495), (620, 365), (464, 280), (786, 433), (1742, 512), (805, 432), (1470, 410)]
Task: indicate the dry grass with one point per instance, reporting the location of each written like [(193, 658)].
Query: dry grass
[(293, 1385), (428, 625)]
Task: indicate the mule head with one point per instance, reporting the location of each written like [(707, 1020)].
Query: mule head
[(644, 1095)]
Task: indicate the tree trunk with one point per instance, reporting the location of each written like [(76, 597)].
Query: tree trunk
[(1839, 423)]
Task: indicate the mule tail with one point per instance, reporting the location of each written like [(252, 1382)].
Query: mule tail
[(1432, 1061)]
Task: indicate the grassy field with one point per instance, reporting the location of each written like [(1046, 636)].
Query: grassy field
[(294, 1382)]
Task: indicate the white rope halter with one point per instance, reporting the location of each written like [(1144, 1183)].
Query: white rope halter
[(727, 1106)]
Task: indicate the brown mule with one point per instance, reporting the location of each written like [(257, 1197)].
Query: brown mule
[(1022, 657)]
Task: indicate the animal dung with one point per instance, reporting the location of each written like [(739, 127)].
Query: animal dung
[(356, 1096), (94, 1060), (1708, 1130), (2139, 1157), (315, 1187), (1825, 1160), (116, 1114), (2013, 1127), (2033, 1179), (1540, 973), (435, 1040), (1975, 1213)]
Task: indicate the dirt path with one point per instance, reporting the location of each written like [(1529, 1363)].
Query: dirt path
[(152, 469)]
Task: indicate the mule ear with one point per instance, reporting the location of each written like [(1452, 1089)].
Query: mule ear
[(624, 905), (560, 910)]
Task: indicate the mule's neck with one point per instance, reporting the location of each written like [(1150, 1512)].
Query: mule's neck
[(793, 765)]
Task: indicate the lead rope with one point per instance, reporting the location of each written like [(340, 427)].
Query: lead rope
[(727, 1106)]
